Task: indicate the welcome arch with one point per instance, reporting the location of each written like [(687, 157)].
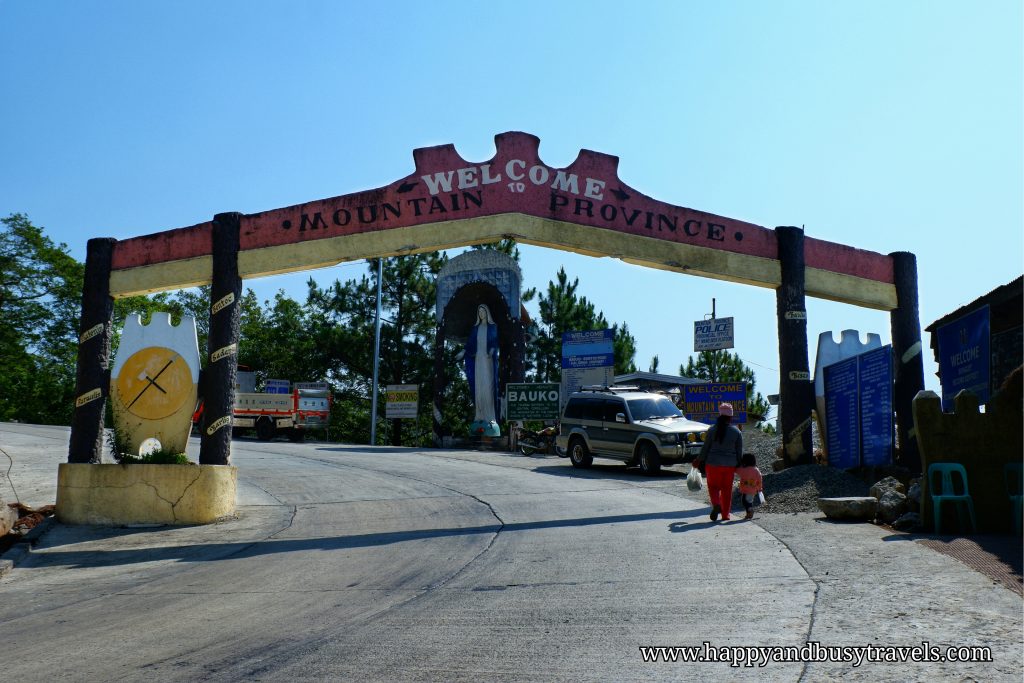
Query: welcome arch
[(448, 202)]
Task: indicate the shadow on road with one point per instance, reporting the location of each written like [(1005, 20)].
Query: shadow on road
[(561, 468), (364, 450), (678, 527), (206, 552), (616, 472)]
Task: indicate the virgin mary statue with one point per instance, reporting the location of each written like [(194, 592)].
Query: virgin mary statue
[(481, 357)]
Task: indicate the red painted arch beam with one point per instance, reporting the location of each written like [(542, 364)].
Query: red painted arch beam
[(445, 187)]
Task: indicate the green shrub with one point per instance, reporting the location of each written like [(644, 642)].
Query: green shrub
[(163, 457), (121, 452)]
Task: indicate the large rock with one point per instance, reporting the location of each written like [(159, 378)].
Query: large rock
[(907, 522), (887, 484), (891, 506), (914, 496), (853, 508), (8, 517)]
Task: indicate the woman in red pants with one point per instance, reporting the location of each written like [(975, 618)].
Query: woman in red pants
[(720, 455)]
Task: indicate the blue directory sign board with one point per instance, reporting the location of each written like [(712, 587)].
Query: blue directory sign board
[(593, 349), (965, 357), (841, 407), (859, 410), (875, 377), (588, 358)]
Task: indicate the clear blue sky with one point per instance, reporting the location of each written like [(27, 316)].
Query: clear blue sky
[(888, 126)]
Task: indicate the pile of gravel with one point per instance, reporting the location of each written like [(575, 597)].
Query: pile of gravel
[(795, 489), (763, 446)]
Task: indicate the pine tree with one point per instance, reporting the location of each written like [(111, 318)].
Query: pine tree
[(563, 310)]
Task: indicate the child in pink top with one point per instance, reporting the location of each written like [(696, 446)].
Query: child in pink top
[(750, 482)]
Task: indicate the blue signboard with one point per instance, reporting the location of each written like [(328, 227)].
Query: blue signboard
[(588, 358), (593, 349), (277, 386), (701, 401), (875, 378), (841, 407), (965, 357)]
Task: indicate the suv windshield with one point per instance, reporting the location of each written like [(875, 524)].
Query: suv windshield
[(649, 408)]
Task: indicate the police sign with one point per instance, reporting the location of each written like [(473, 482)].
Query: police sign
[(714, 334), (533, 401)]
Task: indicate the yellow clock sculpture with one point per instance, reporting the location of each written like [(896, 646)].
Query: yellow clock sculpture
[(154, 382)]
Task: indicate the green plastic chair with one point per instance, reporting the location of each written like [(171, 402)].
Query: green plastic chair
[(947, 482), (1015, 490)]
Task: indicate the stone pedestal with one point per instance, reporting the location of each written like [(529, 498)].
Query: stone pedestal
[(116, 495)]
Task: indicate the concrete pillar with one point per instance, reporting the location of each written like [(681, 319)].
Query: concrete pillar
[(905, 326), (218, 389), (92, 385), (796, 391)]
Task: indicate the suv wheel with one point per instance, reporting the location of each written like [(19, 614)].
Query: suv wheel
[(579, 454), (650, 461)]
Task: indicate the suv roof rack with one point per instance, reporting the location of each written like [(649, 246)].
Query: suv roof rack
[(611, 389)]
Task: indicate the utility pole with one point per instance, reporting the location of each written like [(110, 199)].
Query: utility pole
[(713, 354), (376, 355)]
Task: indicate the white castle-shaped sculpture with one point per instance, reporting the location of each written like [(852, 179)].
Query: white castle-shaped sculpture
[(830, 352), (171, 430)]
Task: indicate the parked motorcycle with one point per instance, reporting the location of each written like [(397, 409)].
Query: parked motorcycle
[(531, 442)]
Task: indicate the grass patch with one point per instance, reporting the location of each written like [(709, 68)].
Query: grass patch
[(160, 457), (122, 453)]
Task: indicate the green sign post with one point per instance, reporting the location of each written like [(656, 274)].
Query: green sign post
[(533, 401)]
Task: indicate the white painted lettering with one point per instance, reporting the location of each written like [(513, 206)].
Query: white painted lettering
[(510, 166), (594, 189), (467, 177), (566, 183), (485, 171), (439, 181), (539, 175)]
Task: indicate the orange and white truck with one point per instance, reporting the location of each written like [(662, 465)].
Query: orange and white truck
[(282, 409)]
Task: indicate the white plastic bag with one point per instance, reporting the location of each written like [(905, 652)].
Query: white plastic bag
[(760, 497), (694, 481)]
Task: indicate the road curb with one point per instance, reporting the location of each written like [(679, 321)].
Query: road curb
[(17, 554)]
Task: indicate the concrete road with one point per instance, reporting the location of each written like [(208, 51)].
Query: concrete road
[(350, 563)]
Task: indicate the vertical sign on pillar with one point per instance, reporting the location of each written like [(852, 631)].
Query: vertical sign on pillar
[(796, 393), (222, 346), (93, 374)]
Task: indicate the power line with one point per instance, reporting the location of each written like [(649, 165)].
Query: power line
[(760, 366)]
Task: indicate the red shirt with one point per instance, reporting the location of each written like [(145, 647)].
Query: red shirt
[(750, 479)]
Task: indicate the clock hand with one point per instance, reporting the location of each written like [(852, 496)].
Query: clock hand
[(157, 376), (152, 381)]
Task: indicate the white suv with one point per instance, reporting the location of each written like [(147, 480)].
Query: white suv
[(624, 423)]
